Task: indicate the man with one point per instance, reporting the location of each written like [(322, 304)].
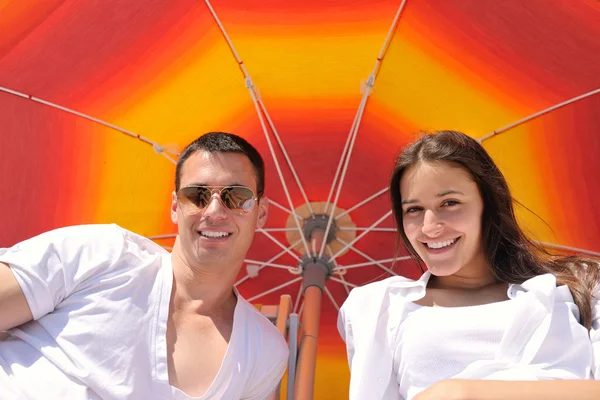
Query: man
[(98, 312)]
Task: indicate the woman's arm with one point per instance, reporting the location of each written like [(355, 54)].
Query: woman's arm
[(458, 389)]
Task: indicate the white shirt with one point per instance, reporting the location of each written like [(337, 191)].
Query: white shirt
[(100, 296), (534, 335)]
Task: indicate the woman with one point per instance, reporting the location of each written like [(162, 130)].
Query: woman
[(494, 316)]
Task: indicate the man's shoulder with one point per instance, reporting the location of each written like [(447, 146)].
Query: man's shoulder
[(259, 326), (254, 317), (87, 232), (101, 235)]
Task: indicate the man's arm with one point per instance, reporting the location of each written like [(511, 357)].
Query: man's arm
[(514, 390), (14, 309)]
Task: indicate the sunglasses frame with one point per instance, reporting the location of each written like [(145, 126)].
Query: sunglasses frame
[(219, 191)]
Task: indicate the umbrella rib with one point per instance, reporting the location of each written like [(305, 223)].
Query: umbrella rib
[(380, 265), (339, 167), (276, 288), (278, 243), (538, 114), (362, 203), (345, 160), (343, 282), (260, 110), (159, 149), (269, 264), (287, 210), (335, 268), (261, 266), (346, 155), (298, 297), (256, 97), (356, 239), (573, 249), (335, 304), (283, 184), (285, 154), (366, 264), (301, 309), (349, 228)]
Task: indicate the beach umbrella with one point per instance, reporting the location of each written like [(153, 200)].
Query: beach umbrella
[(97, 98)]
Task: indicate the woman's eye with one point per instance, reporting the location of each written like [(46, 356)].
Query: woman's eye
[(412, 210), (450, 203)]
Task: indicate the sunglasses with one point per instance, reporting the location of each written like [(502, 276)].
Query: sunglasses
[(240, 200)]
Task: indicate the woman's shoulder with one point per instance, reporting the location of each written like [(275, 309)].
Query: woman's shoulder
[(377, 292)]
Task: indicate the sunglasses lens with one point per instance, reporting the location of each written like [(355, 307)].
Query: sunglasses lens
[(238, 199), (194, 198)]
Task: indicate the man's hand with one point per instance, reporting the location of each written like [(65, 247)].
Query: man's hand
[(464, 389), (451, 389)]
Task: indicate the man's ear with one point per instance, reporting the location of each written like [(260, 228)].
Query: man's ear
[(263, 212), (174, 208)]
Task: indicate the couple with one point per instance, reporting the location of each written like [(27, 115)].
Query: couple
[(98, 312)]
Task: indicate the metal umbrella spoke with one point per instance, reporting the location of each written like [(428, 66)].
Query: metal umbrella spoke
[(359, 252), (278, 243), (268, 264), (298, 297), (572, 249), (335, 304), (362, 203), (335, 268), (262, 265), (287, 210), (380, 220), (158, 148), (369, 84), (371, 263), (537, 114), (343, 282), (357, 229), (262, 114), (276, 288)]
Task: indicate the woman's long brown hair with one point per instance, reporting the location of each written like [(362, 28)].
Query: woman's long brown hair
[(513, 256)]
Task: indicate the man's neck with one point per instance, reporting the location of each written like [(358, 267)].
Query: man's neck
[(202, 290)]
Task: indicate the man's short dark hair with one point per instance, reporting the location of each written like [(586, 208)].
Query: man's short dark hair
[(221, 142)]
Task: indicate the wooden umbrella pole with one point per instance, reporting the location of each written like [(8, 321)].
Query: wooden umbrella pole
[(315, 276)]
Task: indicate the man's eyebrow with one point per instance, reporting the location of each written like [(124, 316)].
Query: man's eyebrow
[(444, 193), (207, 185)]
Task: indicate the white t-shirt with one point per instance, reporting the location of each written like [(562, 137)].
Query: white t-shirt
[(397, 348), (100, 296)]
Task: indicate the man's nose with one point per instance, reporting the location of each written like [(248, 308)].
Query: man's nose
[(215, 208)]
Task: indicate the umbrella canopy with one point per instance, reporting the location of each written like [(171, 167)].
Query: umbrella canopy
[(150, 76)]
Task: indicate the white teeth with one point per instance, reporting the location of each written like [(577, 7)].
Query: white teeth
[(214, 234), (439, 245)]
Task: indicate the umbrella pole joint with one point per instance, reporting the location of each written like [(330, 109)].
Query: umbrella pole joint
[(316, 270)]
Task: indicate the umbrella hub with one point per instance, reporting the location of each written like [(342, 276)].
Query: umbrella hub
[(316, 225), (315, 218)]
